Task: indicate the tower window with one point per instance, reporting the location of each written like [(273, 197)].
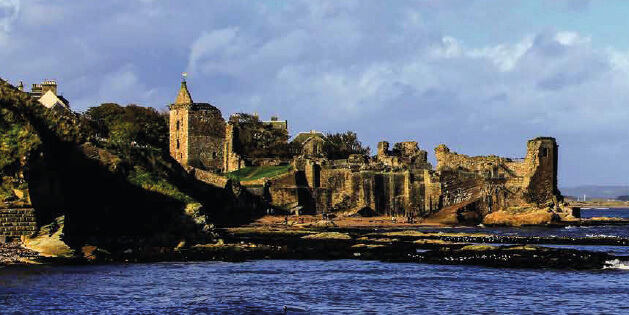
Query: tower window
[(544, 152), (177, 125), (177, 144)]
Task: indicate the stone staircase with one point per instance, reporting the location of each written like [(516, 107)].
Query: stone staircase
[(17, 222)]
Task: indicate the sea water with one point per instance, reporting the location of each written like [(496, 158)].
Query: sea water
[(309, 287), (317, 287)]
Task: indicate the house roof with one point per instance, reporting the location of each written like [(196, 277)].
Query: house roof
[(50, 100), (304, 136)]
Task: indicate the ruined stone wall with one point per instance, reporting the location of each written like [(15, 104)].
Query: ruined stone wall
[(432, 192), (478, 184), (232, 161), (290, 191), (541, 184), (404, 155), (313, 147), (501, 182), (447, 160), (387, 193), (210, 178), (206, 132), (458, 187)]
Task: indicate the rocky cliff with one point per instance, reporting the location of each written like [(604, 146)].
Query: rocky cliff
[(108, 196)]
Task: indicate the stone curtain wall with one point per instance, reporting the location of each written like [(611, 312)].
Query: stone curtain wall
[(387, 193), (210, 178)]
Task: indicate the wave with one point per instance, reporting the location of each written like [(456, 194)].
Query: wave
[(601, 235), (617, 264)]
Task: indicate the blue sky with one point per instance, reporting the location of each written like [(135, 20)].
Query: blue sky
[(482, 76)]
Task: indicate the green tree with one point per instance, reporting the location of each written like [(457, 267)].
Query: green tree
[(257, 139), (144, 125), (342, 145)]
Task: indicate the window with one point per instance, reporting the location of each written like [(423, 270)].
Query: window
[(177, 144), (544, 152), (177, 127)]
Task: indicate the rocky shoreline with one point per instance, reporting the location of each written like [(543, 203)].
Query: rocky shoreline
[(13, 253), (392, 245)]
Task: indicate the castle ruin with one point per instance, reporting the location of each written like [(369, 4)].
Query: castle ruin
[(397, 181)]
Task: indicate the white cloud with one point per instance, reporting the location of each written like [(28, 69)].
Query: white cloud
[(9, 12), (448, 48), (122, 86), (504, 56), (387, 70), (215, 43), (571, 38)]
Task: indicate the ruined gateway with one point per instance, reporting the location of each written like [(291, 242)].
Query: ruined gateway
[(396, 182)]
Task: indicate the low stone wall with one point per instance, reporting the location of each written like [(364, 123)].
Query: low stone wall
[(17, 222), (211, 178), (281, 179)]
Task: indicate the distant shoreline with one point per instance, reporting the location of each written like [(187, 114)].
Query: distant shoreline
[(600, 204)]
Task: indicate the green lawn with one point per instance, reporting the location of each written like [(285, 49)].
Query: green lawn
[(257, 172)]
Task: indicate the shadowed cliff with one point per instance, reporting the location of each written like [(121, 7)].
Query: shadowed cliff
[(108, 197)]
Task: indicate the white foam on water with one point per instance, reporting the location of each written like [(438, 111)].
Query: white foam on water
[(617, 264), (601, 235)]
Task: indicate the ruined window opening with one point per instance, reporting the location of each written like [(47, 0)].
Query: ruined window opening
[(177, 144), (214, 155), (544, 152), (177, 125)]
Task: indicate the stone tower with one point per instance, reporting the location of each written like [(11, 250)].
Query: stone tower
[(542, 153), (197, 132)]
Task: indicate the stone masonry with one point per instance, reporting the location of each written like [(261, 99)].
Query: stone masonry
[(17, 222), (400, 182), (396, 182), (197, 132)]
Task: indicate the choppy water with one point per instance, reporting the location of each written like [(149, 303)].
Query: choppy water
[(570, 231), (330, 287), (317, 287)]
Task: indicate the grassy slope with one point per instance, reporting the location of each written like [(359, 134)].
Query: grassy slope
[(101, 189), (258, 172)]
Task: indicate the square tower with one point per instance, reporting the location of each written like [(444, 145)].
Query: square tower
[(197, 132)]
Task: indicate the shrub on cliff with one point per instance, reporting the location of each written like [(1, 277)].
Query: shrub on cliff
[(21, 120)]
